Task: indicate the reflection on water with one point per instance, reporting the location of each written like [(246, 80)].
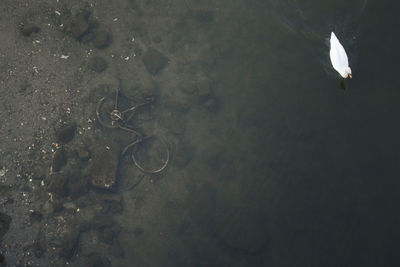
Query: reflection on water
[(315, 20)]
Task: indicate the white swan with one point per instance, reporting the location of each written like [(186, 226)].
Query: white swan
[(339, 57)]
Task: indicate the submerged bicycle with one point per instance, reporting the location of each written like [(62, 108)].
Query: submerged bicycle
[(111, 115)]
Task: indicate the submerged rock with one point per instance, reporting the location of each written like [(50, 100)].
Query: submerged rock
[(77, 182), (112, 203), (98, 64), (70, 240), (79, 25), (5, 221), (66, 133), (28, 29), (59, 160), (83, 153), (154, 61), (101, 39), (106, 235), (56, 183), (35, 216), (104, 165)]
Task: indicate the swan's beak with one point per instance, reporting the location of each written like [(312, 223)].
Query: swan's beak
[(350, 76)]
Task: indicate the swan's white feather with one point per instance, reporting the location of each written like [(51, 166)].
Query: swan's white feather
[(338, 56)]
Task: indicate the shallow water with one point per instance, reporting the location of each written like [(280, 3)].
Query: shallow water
[(308, 172), (273, 161), (290, 170)]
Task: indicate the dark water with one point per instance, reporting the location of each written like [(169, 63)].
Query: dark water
[(274, 160), (308, 173), (287, 168)]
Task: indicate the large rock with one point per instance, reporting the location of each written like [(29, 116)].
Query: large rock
[(104, 167)]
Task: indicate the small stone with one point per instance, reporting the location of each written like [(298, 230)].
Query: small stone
[(101, 40), (98, 64), (79, 25), (59, 160), (66, 133), (154, 61), (28, 29)]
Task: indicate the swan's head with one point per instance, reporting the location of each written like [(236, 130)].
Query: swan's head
[(347, 73)]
